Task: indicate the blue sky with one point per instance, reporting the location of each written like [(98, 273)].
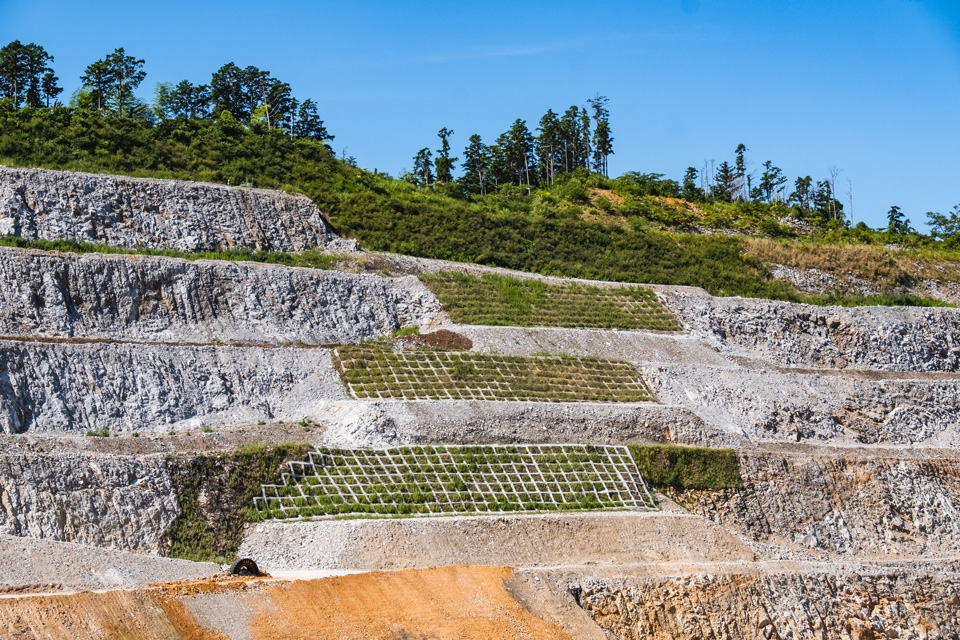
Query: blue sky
[(870, 87)]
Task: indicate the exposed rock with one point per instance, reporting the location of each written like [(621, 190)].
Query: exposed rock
[(140, 387), (168, 299), (50, 566), (887, 338), (381, 423), (868, 603), (821, 407), (815, 506), (132, 212), (103, 501)]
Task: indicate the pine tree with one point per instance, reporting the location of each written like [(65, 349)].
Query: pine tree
[(476, 167), (25, 75), (444, 163), (726, 183), (602, 140), (423, 168), (549, 146)]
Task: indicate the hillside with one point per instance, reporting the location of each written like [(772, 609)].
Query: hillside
[(637, 228), (417, 447)]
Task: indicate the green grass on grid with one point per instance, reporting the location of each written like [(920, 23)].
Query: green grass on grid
[(374, 371), (449, 480), (499, 300)]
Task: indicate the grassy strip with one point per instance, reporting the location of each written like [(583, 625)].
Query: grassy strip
[(669, 466), (447, 480), (372, 371), (500, 300), (312, 258), (215, 493)]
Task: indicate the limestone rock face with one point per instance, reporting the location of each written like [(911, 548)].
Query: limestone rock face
[(857, 505), (799, 335), (131, 212), (104, 501), (863, 602), (172, 300), (143, 387)]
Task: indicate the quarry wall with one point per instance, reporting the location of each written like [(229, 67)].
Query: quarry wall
[(142, 387), (131, 212), (797, 335), (116, 502), (168, 299)]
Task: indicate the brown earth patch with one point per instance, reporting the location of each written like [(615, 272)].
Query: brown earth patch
[(113, 614), (449, 602), (440, 339)]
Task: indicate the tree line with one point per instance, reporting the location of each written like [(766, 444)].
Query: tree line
[(247, 95), (578, 139)]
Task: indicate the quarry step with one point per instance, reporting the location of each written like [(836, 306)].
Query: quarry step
[(523, 540)]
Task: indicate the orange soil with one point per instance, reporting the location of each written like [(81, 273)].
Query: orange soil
[(114, 614), (449, 602)]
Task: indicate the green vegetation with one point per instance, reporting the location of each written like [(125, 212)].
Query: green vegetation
[(215, 493), (372, 371), (310, 258), (498, 300), (687, 468), (533, 201), (448, 480)]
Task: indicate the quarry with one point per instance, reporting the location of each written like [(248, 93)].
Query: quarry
[(162, 417)]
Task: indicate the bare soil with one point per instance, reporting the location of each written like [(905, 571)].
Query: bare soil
[(440, 339), (452, 602)]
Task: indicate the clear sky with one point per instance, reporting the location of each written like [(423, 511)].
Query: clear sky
[(871, 87)]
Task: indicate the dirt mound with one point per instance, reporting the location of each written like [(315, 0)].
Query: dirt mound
[(453, 602), (440, 339)]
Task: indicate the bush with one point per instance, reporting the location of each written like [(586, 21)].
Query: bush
[(686, 468)]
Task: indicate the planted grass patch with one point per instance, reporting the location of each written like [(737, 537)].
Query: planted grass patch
[(681, 468), (499, 300), (214, 492), (450, 480), (373, 371)]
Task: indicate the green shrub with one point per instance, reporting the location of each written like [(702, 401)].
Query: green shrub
[(683, 468)]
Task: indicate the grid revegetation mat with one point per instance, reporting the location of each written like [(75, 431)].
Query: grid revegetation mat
[(448, 480), (499, 300), (372, 371)]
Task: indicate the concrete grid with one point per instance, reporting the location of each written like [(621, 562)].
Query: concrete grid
[(448, 480)]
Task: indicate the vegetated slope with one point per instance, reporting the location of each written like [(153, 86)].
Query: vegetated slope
[(499, 300), (376, 372)]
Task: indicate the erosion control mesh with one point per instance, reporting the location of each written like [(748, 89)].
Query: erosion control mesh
[(498, 300), (447, 480), (371, 371)]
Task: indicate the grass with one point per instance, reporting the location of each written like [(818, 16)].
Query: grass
[(682, 468), (310, 258), (891, 273), (374, 371), (215, 493), (499, 300), (448, 480)]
